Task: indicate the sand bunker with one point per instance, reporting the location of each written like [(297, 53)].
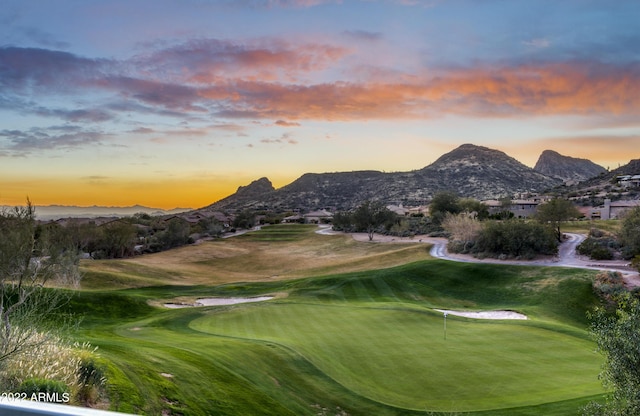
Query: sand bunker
[(485, 314), (217, 302)]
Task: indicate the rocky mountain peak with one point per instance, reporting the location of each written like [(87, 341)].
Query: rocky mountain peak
[(569, 169), (471, 154), (484, 173), (256, 188)]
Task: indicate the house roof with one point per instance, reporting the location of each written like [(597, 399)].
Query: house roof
[(625, 204), (320, 213)]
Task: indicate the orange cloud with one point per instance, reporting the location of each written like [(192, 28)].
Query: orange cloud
[(283, 123), (498, 92), (567, 88), (207, 61), (269, 79)]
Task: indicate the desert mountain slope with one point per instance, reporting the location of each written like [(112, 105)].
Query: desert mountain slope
[(569, 169), (483, 173), (469, 170)]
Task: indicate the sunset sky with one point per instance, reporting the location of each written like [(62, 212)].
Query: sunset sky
[(177, 103)]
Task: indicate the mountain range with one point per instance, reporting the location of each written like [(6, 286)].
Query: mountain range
[(49, 212), (469, 170)]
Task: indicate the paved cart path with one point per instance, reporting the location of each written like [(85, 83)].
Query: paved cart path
[(567, 254)]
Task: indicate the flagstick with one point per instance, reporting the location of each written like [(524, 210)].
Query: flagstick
[(445, 326)]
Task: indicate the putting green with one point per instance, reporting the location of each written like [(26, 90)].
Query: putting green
[(398, 356)]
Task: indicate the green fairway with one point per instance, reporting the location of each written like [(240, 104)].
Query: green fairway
[(366, 342), (400, 357)]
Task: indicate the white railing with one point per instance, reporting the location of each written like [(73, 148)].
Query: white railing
[(32, 408)]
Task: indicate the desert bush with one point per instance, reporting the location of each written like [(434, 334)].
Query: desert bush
[(463, 230), (514, 238), (33, 386), (55, 366), (629, 235), (91, 376), (599, 245), (608, 285)]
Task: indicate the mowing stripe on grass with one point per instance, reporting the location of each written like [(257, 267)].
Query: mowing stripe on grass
[(398, 357)]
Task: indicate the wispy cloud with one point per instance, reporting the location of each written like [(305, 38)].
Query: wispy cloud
[(363, 35), (572, 88), (25, 142), (250, 81), (204, 61), (95, 115), (537, 43), (281, 3), (26, 69), (283, 123), (286, 138)]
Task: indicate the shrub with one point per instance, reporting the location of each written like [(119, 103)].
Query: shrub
[(32, 386), (601, 253), (54, 367), (599, 245), (515, 238), (608, 285)]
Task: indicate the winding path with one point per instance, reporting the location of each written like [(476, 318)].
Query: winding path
[(567, 255)]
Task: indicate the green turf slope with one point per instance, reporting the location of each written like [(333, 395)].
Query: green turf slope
[(400, 357), (365, 343)]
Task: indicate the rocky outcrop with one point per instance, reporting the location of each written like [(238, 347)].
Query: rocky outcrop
[(569, 169)]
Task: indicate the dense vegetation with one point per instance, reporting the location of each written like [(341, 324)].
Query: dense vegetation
[(514, 239), (624, 242), (34, 357)]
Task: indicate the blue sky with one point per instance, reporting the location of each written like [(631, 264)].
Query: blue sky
[(177, 103)]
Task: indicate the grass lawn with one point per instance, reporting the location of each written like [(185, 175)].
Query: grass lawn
[(583, 227), (400, 357), (275, 252), (363, 341)]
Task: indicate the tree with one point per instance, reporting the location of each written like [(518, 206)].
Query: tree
[(245, 219), (443, 202), (475, 207), (118, 239), (176, 234), (342, 221), (370, 216), (629, 235), (29, 263), (617, 338), (555, 212)]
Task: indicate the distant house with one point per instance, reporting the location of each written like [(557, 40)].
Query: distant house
[(398, 210), (520, 208), (613, 210), (181, 218), (297, 218), (629, 181), (318, 217), (195, 217)]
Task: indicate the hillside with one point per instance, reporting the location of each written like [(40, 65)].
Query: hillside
[(469, 170), (483, 173), (593, 191), (569, 169)]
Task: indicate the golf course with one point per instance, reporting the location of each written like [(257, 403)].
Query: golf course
[(343, 327)]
